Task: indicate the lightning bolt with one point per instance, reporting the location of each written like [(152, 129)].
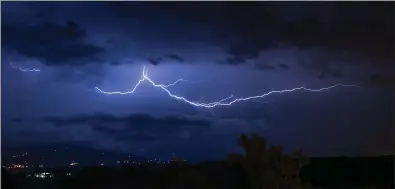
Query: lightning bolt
[(228, 101), (172, 84), (22, 69), (136, 86)]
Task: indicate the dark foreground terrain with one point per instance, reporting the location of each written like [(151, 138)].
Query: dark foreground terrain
[(367, 172), (261, 166)]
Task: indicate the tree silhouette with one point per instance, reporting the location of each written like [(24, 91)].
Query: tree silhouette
[(267, 166)]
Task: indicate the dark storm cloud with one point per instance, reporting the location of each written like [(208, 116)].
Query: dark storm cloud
[(17, 120), (160, 60), (235, 60), (250, 28), (322, 75), (118, 62), (245, 30), (145, 127), (115, 63), (337, 75), (175, 57), (283, 66), (346, 31), (265, 67), (134, 127), (361, 36), (249, 48), (66, 121), (381, 80), (102, 128), (55, 45), (155, 61), (129, 121), (130, 137), (330, 74)]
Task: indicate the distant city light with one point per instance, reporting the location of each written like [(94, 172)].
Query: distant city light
[(16, 166), (25, 164), (43, 175), (19, 155), (73, 163)]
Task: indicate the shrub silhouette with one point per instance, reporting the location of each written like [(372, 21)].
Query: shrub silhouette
[(267, 166)]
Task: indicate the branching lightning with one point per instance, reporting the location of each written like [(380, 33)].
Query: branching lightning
[(136, 86), (23, 69), (223, 102)]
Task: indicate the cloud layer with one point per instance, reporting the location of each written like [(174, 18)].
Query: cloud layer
[(55, 45)]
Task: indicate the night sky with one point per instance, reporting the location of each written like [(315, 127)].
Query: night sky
[(218, 48)]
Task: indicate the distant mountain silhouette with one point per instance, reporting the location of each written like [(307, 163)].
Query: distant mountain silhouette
[(64, 154)]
